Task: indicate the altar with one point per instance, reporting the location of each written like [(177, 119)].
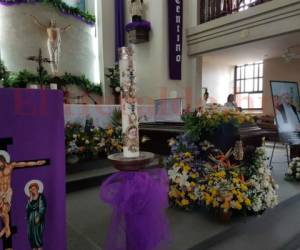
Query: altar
[(101, 114), (158, 133)]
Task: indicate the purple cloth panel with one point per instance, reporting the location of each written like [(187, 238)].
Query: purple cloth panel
[(175, 15), (139, 201), (119, 27), (34, 120), (138, 25)]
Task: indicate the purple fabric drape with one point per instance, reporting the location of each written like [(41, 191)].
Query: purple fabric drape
[(119, 27), (139, 201), (145, 25), (175, 15), (31, 129)]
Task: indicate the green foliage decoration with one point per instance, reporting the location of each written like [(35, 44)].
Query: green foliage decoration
[(4, 74), (61, 6), (83, 82), (114, 77), (23, 78), (116, 118), (202, 127)]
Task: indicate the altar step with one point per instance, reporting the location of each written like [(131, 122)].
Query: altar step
[(277, 228), (89, 174)]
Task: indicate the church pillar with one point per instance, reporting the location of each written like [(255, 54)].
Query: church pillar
[(198, 82), (106, 48), (192, 15)]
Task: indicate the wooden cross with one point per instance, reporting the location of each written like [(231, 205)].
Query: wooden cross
[(40, 60), (8, 242)]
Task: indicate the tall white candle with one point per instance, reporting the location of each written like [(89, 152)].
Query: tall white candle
[(130, 123)]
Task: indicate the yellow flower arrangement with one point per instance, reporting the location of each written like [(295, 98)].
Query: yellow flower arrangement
[(202, 126), (183, 181), (213, 181), (185, 202), (225, 190), (110, 131), (188, 155)]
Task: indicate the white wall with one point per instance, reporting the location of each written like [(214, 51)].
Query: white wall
[(218, 78), (151, 58), (80, 51), (90, 6), (20, 37), (73, 3), (106, 33)]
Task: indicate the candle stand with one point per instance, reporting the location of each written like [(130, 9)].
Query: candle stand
[(138, 196)]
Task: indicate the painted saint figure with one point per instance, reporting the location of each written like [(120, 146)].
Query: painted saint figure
[(131, 139), (36, 211), (54, 41), (136, 10), (6, 192)]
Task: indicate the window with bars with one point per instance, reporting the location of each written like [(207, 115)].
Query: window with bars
[(248, 86)]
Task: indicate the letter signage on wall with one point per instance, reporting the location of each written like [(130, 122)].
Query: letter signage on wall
[(175, 8)]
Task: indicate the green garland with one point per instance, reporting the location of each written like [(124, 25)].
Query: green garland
[(23, 78), (20, 79), (62, 6), (83, 82)]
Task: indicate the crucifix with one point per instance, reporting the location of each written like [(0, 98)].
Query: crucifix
[(40, 69), (54, 34), (6, 168)]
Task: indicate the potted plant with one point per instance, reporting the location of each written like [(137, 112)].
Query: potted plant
[(114, 78), (225, 191)]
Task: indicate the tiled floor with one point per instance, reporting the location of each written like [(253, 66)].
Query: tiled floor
[(88, 219)]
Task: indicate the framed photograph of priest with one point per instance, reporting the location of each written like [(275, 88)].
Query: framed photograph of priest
[(286, 103), (36, 213)]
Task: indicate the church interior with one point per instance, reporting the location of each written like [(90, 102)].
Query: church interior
[(150, 125)]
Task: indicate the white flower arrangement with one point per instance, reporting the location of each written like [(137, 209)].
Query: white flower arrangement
[(249, 187), (293, 172), (72, 147), (263, 192)]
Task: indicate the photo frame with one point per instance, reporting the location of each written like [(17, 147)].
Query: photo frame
[(286, 105)]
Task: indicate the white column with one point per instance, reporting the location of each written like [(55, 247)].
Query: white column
[(130, 124), (106, 41)]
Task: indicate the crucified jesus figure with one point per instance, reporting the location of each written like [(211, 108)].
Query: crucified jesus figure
[(6, 192), (54, 41)]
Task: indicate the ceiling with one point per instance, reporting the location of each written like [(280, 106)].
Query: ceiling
[(256, 51)]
